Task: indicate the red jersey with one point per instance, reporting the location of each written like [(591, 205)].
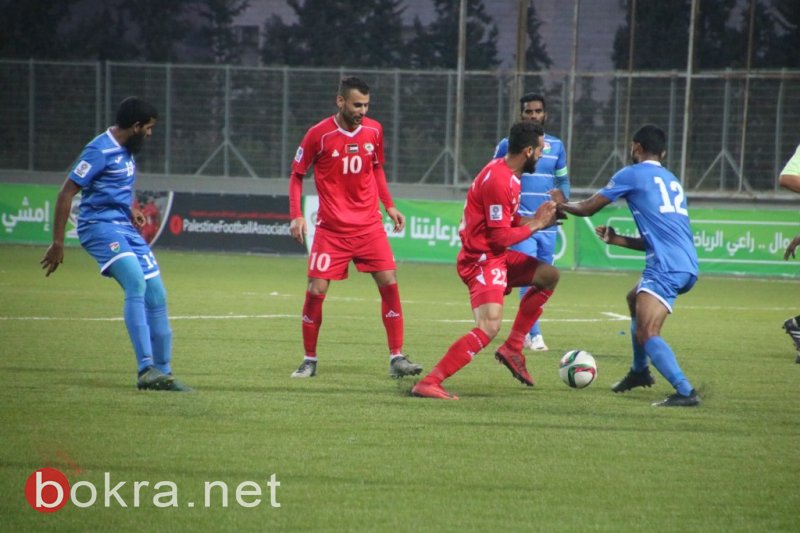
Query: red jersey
[(347, 173), (492, 202)]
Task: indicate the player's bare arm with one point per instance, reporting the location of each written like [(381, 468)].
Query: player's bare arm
[(54, 255), (610, 236), (790, 181), (297, 228), (790, 250), (398, 218), (585, 208)]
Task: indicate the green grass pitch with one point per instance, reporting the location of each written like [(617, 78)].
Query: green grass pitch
[(351, 450)]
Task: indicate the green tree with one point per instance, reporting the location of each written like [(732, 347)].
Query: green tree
[(536, 56), (160, 27), (436, 45), (216, 35), (364, 33)]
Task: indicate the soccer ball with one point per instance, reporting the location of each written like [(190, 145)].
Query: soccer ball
[(577, 369)]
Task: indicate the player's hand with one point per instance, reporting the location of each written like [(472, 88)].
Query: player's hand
[(557, 195), (606, 233), (138, 218), (53, 257), (298, 229), (791, 248), (544, 216), (398, 218)]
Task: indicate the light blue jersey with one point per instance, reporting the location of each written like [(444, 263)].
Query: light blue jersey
[(658, 205), (106, 173), (551, 173)]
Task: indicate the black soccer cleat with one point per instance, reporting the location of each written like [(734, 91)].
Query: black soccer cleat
[(679, 400), (793, 330), (634, 379)]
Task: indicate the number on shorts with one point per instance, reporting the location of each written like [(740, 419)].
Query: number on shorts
[(150, 259), (499, 277), (320, 262)]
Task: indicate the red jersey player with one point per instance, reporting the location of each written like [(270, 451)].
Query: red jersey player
[(490, 225), (346, 151)]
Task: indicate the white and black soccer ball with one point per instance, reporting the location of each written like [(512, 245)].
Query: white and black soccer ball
[(577, 369)]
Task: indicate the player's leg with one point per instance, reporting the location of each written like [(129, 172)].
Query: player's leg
[(792, 328), (127, 272), (488, 318), (155, 301), (654, 301), (545, 252), (639, 374), (542, 280), (486, 300), (529, 247), (327, 261)]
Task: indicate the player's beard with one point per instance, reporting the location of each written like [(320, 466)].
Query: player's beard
[(530, 165), (135, 143)]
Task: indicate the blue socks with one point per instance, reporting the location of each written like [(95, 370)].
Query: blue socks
[(129, 275), (664, 360), (158, 322)]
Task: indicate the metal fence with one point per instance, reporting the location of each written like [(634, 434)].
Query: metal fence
[(247, 121)]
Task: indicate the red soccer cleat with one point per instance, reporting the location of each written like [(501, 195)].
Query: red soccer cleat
[(425, 389), (515, 362)]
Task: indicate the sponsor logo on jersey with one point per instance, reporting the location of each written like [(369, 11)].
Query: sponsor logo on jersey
[(118, 159), (335, 153), (352, 148), (82, 168), (495, 212), (114, 246), (369, 147), (299, 155), (546, 148)]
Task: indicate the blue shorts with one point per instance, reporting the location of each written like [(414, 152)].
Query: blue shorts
[(541, 245), (666, 286), (108, 242)]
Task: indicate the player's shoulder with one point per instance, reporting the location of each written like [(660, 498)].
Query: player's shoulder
[(325, 125), (371, 124)]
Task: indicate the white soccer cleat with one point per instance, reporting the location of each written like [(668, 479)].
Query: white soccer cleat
[(537, 343)]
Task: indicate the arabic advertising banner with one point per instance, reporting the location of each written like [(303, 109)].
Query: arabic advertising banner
[(728, 241), (26, 214), (431, 232)]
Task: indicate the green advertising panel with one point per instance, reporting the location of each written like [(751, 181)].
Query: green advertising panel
[(26, 214), (728, 241)]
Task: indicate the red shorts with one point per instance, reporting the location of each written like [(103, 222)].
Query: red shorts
[(331, 254), (491, 279)]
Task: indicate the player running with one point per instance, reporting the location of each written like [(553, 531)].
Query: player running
[(346, 151), (658, 205), (490, 225)]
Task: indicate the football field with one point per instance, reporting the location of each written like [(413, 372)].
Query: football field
[(350, 450)]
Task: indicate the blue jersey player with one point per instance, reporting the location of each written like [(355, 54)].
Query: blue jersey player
[(658, 205), (105, 175), (550, 177)]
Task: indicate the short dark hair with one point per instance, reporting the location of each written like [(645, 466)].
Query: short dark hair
[(522, 135), (652, 139), (531, 97), (351, 82), (132, 110)]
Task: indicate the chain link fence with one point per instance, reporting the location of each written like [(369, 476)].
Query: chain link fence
[(247, 121)]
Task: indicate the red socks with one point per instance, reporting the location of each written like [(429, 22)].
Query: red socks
[(312, 320), (392, 316), (530, 309), (459, 355)]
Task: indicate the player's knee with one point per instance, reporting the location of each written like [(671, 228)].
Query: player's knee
[(491, 327), (546, 277), (155, 294)]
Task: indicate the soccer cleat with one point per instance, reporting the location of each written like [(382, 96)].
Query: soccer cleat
[(515, 362), (152, 378), (425, 389), (679, 400), (178, 386), (634, 379), (307, 369), (526, 342), (793, 330), (403, 366), (537, 344)]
